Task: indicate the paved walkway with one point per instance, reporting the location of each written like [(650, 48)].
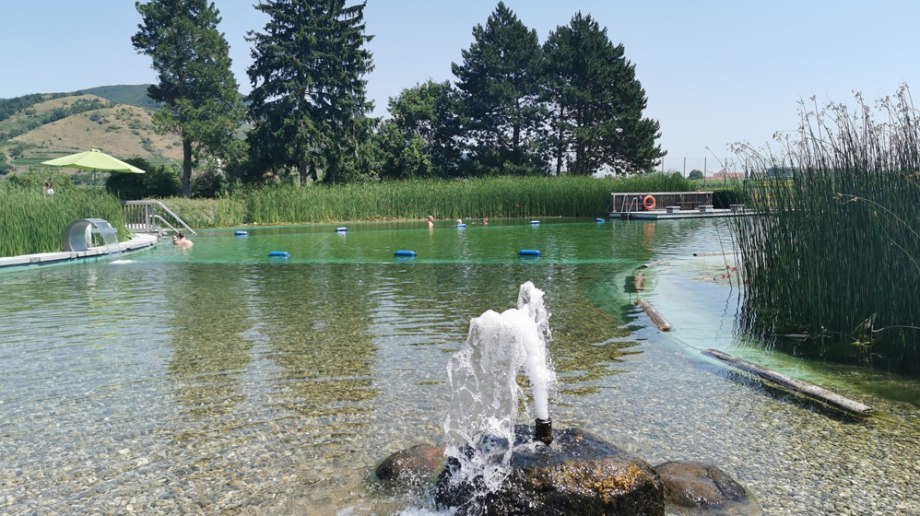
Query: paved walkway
[(139, 241)]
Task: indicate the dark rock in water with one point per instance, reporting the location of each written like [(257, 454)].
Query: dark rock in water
[(414, 466), (578, 474), (697, 485)]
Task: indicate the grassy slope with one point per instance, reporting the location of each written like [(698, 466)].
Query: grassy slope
[(133, 94), (125, 131)]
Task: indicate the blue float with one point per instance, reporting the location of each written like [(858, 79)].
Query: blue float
[(279, 254), (535, 222), (241, 233), (529, 252), (461, 226), (342, 229), (404, 253), (599, 220)]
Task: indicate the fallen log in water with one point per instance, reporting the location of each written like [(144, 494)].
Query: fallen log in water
[(653, 314), (812, 391)]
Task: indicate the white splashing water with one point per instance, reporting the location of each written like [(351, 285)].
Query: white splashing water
[(483, 380)]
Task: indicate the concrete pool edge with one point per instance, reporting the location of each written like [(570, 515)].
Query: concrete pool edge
[(136, 243)]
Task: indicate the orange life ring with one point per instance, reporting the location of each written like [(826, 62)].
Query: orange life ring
[(648, 202)]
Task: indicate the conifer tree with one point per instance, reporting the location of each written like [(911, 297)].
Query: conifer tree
[(596, 103), (499, 87), (308, 102), (200, 96)]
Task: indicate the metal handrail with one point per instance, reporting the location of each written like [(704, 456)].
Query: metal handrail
[(147, 222), (164, 221)]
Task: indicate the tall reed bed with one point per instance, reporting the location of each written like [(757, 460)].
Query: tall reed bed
[(834, 265), (227, 211), (487, 197), (32, 222)]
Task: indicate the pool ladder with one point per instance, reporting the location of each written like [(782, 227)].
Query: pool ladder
[(146, 217)]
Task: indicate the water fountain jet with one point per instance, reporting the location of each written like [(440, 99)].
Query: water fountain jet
[(495, 466)]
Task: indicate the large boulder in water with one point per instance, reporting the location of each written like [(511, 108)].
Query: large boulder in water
[(577, 474), (696, 487), (412, 467)]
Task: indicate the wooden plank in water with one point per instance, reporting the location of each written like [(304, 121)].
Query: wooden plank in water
[(807, 389), (653, 314), (638, 280)]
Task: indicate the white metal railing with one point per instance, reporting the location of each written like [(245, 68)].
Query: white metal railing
[(145, 216)]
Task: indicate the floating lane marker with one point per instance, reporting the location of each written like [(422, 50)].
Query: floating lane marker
[(279, 254), (404, 253), (342, 229), (240, 233), (529, 252)]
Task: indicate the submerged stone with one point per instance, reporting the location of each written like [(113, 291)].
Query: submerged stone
[(703, 487), (414, 466), (578, 474)]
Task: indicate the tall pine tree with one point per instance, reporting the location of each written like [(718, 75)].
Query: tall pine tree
[(200, 96), (308, 102), (596, 103), (499, 85)]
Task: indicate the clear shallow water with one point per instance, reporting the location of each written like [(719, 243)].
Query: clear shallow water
[(219, 379)]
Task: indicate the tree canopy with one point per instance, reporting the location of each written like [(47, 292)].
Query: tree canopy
[(499, 88), (308, 102), (199, 94), (571, 105), (597, 103)]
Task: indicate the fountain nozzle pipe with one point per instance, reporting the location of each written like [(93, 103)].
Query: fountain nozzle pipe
[(543, 431)]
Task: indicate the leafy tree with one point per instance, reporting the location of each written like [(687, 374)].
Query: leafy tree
[(308, 101), (157, 181), (199, 95), (499, 87), (597, 103), (695, 174), (420, 139)]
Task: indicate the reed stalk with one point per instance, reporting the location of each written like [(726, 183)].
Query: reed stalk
[(832, 268)]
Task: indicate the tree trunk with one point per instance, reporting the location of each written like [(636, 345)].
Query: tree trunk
[(302, 171), (559, 143), (186, 167), (516, 135)]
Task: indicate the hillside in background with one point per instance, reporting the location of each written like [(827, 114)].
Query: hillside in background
[(114, 119), (134, 94)]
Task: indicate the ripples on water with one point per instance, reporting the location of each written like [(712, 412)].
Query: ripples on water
[(217, 380)]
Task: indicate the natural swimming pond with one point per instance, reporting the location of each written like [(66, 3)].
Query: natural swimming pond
[(218, 379)]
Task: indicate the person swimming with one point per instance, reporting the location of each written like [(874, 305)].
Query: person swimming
[(181, 242), (430, 222)]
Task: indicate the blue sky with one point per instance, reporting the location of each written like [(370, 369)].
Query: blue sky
[(715, 71)]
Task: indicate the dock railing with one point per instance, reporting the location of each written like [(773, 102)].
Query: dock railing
[(147, 217), (633, 201)]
